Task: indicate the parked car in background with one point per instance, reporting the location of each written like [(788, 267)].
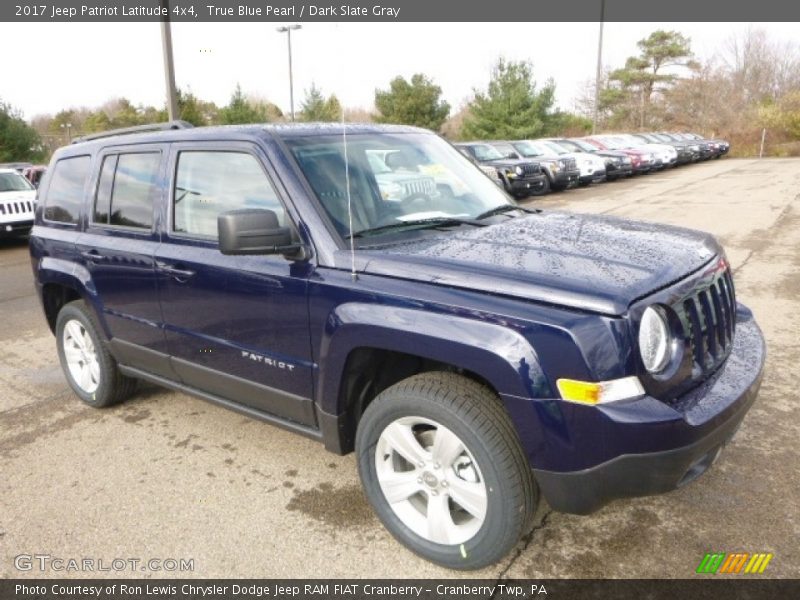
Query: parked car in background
[(561, 172), (705, 149), (665, 156), (642, 160), (691, 145), (520, 177), (718, 147), (683, 154), (617, 163), (592, 168), (34, 174), (17, 203)]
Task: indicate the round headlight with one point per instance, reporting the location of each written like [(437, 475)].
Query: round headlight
[(654, 340), (518, 170)]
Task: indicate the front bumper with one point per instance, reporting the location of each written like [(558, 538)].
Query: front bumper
[(16, 228), (525, 187), (563, 178), (621, 170), (668, 444), (592, 174)]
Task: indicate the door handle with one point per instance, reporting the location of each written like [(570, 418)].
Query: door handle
[(93, 256), (175, 272)]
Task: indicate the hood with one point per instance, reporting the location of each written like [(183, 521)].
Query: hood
[(18, 195), (590, 262), (509, 162), (586, 157)]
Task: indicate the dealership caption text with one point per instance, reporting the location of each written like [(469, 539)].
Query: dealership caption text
[(279, 590), (208, 10)]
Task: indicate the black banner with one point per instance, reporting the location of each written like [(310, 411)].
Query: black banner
[(400, 10), (727, 588)]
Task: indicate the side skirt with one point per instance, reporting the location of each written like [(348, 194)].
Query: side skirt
[(304, 430)]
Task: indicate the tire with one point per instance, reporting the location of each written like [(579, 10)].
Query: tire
[(545, 187), (468, 418), (76, 328)]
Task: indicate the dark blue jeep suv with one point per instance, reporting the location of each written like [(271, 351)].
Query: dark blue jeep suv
[(474, 353)]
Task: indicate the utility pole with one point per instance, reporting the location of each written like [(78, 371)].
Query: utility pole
[(169, 65), (599, 72), (288, 31)]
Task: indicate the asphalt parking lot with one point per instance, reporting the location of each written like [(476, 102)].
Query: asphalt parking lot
[(169, 476)]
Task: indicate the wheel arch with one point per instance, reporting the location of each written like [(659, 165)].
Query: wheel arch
[(60, 282), (368, 348)]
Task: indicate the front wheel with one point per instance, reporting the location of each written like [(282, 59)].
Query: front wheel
[(443, 468)]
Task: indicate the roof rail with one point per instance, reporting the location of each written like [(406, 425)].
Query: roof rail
[(136, 129)]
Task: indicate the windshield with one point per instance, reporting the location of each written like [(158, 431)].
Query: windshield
[(486, 152), (583, 146), (505, 150), (623, 143), (630, 141), (528, 149), (14, 182), (555, 147), (394, 179), (610, 143)]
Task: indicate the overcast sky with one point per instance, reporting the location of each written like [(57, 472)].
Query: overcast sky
[(49, 66)]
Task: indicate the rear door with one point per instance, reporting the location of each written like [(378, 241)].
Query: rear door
[(236, 326), (118, 248)]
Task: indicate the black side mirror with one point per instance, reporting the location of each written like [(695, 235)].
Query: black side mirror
[(253, 231)]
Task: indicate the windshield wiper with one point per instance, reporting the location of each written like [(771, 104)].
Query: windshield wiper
[(415, 224), (503, 208)]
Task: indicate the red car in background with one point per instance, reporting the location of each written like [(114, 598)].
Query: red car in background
[(642, 161), (34, 174)]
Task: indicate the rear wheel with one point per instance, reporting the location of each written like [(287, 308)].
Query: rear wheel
[(91, 371), (443, 468)]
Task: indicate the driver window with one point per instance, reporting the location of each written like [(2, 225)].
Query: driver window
[(208, 183)]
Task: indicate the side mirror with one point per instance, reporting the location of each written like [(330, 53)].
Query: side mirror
[(511, 155), (253, 231)]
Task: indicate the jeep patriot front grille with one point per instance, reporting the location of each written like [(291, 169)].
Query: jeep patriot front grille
[(709, 322)]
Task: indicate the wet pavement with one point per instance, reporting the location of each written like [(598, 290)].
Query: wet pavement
[(168, 476)]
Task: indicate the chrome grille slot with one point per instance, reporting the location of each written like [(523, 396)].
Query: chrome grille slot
[(722, 316), (709, 325), (695, 336), (709, 321)]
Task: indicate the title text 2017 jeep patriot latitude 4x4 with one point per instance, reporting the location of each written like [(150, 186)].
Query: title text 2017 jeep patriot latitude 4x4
[(472, 352)]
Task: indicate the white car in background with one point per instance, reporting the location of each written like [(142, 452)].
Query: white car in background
[(17, 203), (593, 168)]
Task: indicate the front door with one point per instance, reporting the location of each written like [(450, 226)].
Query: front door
[(236, 326)]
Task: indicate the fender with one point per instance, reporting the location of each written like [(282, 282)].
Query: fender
[(74, 276), (499, 354)]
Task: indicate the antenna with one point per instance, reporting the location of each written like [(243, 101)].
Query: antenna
[(353, 273)]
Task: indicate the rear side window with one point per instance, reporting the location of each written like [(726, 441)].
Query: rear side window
[(65, 195), (208, 183), (127, 189)]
